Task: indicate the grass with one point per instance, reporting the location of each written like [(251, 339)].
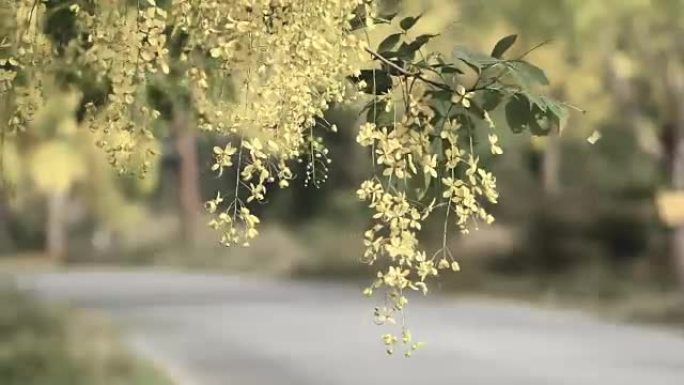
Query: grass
[(46, 345)]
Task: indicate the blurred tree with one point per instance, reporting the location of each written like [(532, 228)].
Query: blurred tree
[(171, 99), (57, 157), (55, 166), (621, 59), (59, 162), (188, 181)]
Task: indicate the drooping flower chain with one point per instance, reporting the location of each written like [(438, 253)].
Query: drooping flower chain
[(262, 73)]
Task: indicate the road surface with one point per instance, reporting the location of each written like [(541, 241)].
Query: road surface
[(218, 330)]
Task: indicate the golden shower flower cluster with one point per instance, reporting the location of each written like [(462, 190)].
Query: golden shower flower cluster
[(23, 50), (261, 74), (286, 61), (404, 151)]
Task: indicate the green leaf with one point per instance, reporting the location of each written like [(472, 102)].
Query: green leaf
[(440, 67), (440, 102), (464, 56), (421, 40), (358, 22), (518, 113), (538, 114), (503, 45), (378, 81), (389, 43), (540, 122), (377, 113), (555, 113), (408, 51), (448, 70), (561, 115), (555, 107), (491, 99), (549, 113), (529, 73), (476, 61), (534, 99), (408, 22), (476, 110), (385, 18)]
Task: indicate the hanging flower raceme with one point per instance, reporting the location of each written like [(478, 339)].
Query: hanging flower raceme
[(261, 74)]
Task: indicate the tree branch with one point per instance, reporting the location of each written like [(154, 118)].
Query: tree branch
[(416, 75)]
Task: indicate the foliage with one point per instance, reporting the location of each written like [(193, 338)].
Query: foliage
[(262, 73), (45, 346), (622, 61)]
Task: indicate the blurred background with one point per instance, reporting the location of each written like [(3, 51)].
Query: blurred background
[(595, 226)]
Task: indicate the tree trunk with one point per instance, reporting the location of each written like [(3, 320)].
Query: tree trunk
[(188, 176), (677, 236), (551, 163), (675, 81), (6, 242), (551, 159), (56, 232)]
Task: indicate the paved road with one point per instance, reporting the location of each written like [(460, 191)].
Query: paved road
[(216, 330)]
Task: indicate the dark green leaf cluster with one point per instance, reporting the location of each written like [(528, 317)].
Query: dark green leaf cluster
[(500, 81)]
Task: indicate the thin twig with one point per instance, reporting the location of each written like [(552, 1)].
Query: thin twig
[(572, 106), (404, 72), (543, 43), (419, 75), (30, 18)]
